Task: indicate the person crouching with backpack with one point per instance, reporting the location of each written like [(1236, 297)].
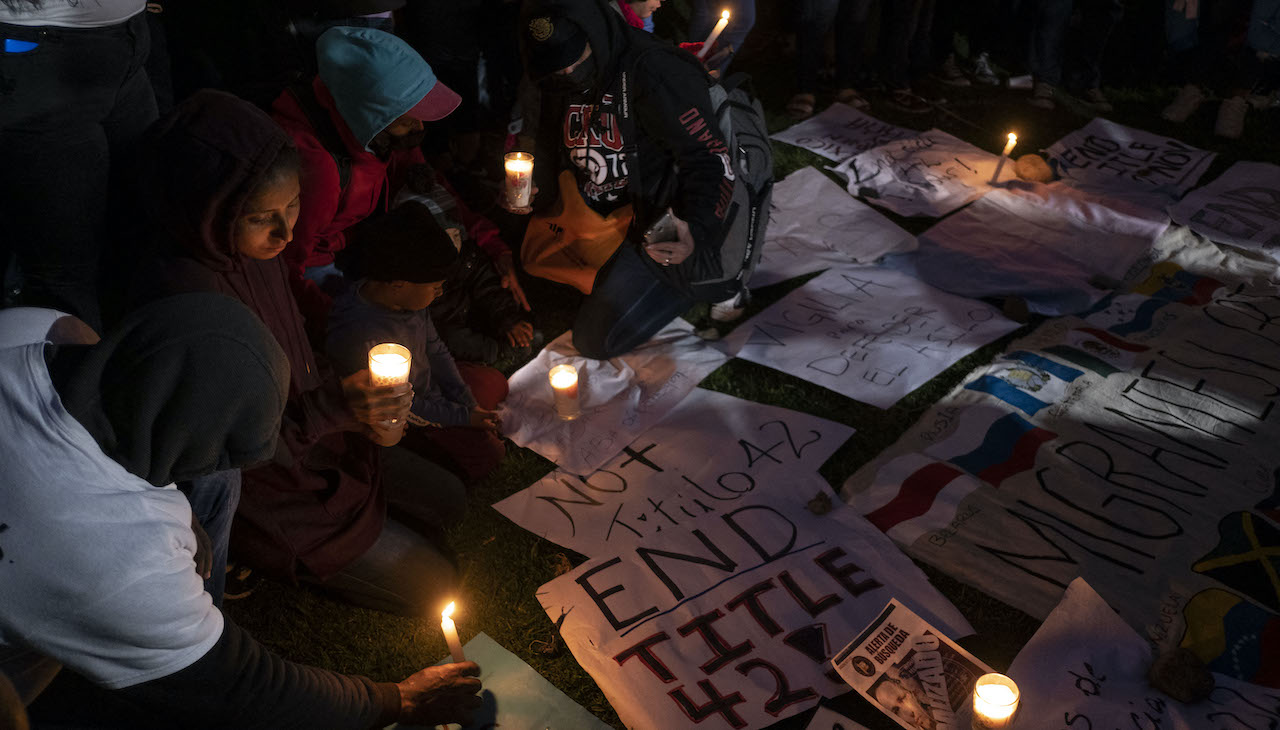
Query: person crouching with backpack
[(627, 132)]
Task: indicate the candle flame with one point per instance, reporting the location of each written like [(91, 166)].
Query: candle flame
[(724, 15), (1013, 137), (448, 610)]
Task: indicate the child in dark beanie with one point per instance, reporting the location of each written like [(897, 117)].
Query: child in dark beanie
[(402, 262)]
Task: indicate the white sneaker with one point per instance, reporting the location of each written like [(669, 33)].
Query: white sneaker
[(731, 308), (1184, 104), (1231, 115)]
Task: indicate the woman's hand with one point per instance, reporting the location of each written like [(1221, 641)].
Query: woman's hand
[(668, 253), (440, 695), (386, 433), (371, 404)]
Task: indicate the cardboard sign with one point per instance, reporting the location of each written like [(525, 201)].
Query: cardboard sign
[(841, 132), (619, 398), (712, 453), (1241, 208), (814, 225), (733, 622), (932, 174), (871, 334)]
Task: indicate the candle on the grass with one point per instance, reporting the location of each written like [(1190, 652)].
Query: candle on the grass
[(389, 364), (519, 167), (451, 634), (1008, 147), (564, 383), (715, 33), (995, 702)]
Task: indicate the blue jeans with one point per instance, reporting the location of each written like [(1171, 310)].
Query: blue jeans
[(906, 41), (742, 16), (628, 304), (71, 110), (214, 498), (1048, 40)]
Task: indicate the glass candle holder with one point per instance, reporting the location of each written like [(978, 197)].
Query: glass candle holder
[(389, 364), (564, 383), (519, 167), (995, 702)]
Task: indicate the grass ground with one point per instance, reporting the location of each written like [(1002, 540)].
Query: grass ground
[(503, 564)]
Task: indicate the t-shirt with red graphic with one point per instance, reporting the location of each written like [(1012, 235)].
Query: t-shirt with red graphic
[(593, 144)]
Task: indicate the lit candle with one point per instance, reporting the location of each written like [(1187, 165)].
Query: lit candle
[(564, 383), (995, 702), (519, 166), (715, 33), (451, 634), (1013, 140), (389, 364)]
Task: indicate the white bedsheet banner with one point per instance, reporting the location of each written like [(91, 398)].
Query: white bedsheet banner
[(814, 224), (1242, 208), (1118, 161), (620, 398), (1086, 669), (712, 453), (930, 174), (871, 334), (840, 132), (732, 622), (1049, 244)]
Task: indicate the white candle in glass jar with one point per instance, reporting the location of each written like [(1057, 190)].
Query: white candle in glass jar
[(995, 702), (519, 167), (389, 364), (564, 383)]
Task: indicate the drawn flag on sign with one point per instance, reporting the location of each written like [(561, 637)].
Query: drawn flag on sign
[(1026, 381), (1233, 637), (1098, 350), (1246, 559), (1172, 283)]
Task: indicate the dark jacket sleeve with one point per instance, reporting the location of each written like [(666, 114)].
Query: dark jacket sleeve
[(673, 112), (493, 309), (239, 683)]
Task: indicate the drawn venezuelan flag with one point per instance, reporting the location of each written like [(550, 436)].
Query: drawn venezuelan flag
[(919, 493), (1233, 636), (1246, 559), (1026, 381), (1098, 350)]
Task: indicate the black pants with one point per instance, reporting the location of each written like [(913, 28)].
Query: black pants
[(816, 19), (72, 111)]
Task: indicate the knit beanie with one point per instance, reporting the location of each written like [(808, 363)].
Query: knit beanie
[(406, 244)]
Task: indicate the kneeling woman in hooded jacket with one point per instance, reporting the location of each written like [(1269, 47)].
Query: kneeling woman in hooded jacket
[(223, 185)]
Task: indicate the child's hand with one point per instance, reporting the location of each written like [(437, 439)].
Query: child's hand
[(506, 268), (485, 418), (520, 334)]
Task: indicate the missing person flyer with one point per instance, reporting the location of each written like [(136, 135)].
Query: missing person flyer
[(911, 671)]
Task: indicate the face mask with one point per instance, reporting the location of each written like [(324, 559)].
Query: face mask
[(576, 81)]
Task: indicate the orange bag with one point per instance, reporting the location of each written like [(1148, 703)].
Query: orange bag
[(571, 242)]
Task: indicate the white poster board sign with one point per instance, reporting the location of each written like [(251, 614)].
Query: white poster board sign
[(1242, 208), (841, 132), (619, 398), (814, 225), (1112, 159), (871, 334), (732, 624), (1049, 244), (828, 719), (1086, 669), (712, 453), (930, 174)]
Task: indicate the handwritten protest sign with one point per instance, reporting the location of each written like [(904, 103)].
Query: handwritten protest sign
[(732, 622), (814, 224), (871, 334), (911, 671), (1049, 244), (1242, 208), (712, 453), (1086, 670), (841, 132), (619, 398), (1132, 446), (1111, 159), (932, 174)]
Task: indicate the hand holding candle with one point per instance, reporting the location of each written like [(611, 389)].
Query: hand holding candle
[(995, 702), (1013, 140), (519, 167), (715, 33), (389, 365), (451, 634), (564, 383)]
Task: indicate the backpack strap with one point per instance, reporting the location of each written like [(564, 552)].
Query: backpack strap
[(326, 132)]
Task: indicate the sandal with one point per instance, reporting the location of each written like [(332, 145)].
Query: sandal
[(801, 106), (851, 97)]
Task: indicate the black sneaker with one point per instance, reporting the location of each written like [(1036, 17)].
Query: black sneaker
[(240, 582)]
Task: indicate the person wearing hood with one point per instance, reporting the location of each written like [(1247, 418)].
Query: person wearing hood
[(358, 126), (98, 553), (223, 183), (627, 129)]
